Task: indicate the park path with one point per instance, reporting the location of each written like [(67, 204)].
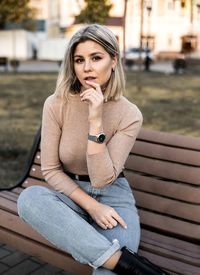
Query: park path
[(50, 66)]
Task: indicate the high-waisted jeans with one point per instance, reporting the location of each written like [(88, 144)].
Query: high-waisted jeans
[(61, 221)]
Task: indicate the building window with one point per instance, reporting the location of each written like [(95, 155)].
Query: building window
[(198, 9), (183, 4), (40, 25), (189, 43), (148, 41)]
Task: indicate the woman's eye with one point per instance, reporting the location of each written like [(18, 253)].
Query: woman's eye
[(79, 60), (96, 58)]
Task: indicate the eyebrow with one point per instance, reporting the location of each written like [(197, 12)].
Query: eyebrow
[(77, 55)]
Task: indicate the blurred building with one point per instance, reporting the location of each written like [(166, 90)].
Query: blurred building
[(47, 16), (168, 27)]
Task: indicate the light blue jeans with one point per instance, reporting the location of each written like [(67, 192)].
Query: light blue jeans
[(66, 225)]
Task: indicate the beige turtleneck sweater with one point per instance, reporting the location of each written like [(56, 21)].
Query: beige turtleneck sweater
[(64, 141)]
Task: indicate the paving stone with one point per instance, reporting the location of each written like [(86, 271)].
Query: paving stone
[(66, 273), (9, 248), (24, 268), (51, 268), (43, 271), (3, 268), (37, 260), (3, 253), (14, 258)]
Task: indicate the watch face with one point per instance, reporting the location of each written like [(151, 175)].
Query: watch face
[(101, 138)]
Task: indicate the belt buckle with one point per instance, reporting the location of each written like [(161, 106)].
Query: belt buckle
[(77, 177)]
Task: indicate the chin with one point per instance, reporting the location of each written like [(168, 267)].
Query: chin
[(85, 86)]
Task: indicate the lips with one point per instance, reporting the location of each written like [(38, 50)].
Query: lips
[(89, 78)]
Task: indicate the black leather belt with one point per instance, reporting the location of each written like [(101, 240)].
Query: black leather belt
[(85, 177)]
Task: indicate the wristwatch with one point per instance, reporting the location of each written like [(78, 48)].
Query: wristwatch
[(100, 138)]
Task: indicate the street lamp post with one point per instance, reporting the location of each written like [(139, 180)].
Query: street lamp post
[(124, 33), (141, 33), (149, 9)]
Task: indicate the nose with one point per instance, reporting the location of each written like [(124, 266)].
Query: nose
[(87, 66)]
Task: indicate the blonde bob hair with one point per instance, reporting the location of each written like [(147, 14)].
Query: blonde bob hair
[(68, 83)]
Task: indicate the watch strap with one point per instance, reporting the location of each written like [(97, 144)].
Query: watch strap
[(97, 138), (92, 137)]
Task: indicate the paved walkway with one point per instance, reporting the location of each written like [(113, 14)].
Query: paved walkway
[(50, 66), (14, 262)]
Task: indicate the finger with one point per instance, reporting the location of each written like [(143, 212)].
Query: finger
[(113, 222), (90, 97), (120, 220), (109, 225), (87, 91), (90, 92), (104, 226), (93, 92), (94, 85), (93, 97)]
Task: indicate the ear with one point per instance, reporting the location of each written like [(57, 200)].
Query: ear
[(114, 62)]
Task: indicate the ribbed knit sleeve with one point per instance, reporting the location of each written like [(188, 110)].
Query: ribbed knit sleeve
[(50, 138), (104, 167)]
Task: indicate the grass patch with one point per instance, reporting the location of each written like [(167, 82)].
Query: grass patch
[(168, 103)]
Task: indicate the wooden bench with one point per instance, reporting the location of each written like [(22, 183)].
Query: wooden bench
[(164, 172)]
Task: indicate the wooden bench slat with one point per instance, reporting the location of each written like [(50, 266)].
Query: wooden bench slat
[(37, 159), (168, 256), (8, 205), (31, 181), (158, 250), (172, 244), (17, 190), (168, 207), (170, 226), (36, 172), (171, 139), (10, 219), (171, 265), (164, 169), (9, 195), (167, 153), (170, 189)]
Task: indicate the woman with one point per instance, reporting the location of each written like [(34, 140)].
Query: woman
[(88, 130)]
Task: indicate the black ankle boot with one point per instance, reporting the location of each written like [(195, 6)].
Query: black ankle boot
[(132, 264)]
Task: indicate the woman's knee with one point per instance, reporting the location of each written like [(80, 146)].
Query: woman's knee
[(30, 199)]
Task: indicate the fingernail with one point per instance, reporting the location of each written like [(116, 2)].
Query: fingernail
[(125, 226)]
